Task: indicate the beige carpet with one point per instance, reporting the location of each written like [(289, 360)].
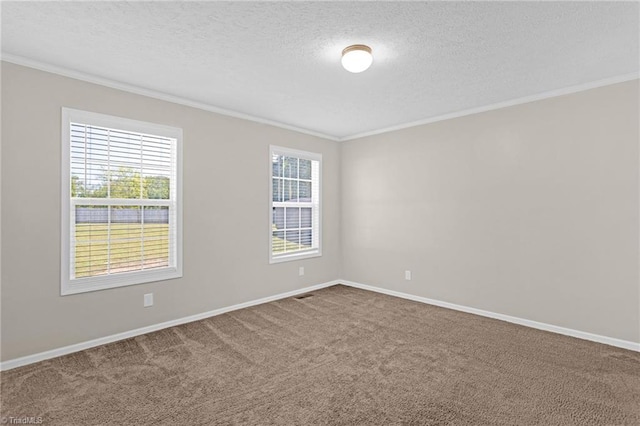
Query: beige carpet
[(344, 356)]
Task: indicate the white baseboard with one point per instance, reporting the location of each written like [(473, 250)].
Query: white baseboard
[(30, 359), (53, 353), (625, 344)]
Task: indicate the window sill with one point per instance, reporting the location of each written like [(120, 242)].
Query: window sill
[(295, 256), (84, 285)]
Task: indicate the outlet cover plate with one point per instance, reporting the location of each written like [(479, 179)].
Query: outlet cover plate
[(148, 300)]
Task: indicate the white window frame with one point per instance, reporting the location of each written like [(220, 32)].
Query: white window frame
[(81, 285), (315, 204)]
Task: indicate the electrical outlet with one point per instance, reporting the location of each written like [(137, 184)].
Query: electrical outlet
[(407, 275), (301, 271), (148, 300)]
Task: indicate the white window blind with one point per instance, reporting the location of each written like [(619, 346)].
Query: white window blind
[(122, 215), (295, 204)]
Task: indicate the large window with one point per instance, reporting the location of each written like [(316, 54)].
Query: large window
[(295, 204), (121, 205)]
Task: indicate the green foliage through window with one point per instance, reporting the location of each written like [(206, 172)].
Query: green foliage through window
[(125, 183)]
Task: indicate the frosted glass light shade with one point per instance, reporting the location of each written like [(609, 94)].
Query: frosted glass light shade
[(357, 58)]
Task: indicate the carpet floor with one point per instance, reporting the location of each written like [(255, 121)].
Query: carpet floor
[(342, 357)]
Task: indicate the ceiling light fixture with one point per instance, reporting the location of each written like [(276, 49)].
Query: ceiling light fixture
[(357, 58)]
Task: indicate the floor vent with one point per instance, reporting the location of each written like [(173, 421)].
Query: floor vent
[(304, 296)]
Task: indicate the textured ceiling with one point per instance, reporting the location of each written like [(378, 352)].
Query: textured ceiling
[(280, 61)]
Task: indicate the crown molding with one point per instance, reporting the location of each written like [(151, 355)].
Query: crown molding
[(500, 105), (90, 78), (78, 75)]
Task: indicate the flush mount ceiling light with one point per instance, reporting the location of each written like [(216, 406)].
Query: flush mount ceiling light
[(357, 58)]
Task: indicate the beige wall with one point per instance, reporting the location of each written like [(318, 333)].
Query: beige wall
[(529, 211), (225, 216)]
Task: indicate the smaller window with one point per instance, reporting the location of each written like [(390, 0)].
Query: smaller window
[(295, 204)]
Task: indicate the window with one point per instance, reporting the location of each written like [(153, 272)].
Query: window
[(295, 204), (121, 205)]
